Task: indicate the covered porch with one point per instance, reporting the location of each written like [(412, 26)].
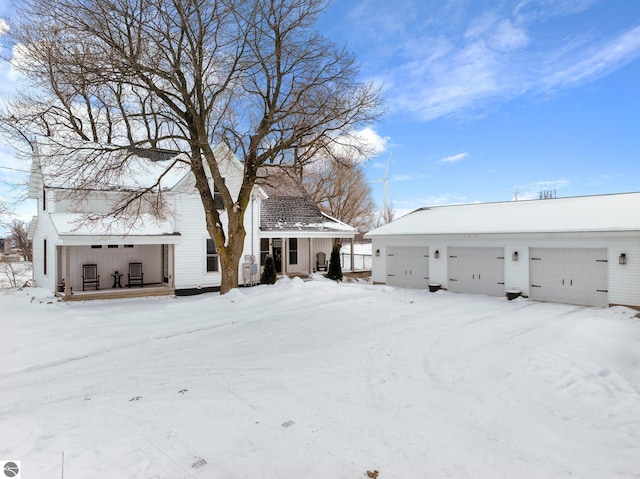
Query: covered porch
[(115, 267), (296, 252)]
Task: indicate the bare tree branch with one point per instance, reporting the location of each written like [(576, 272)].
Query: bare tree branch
[(184, 75)]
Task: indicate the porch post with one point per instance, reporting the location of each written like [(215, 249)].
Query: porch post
[(285, 255), (172, 266), (67, 270), (353, 265), (311, 262)]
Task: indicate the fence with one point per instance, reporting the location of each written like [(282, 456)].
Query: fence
[(361, 262)]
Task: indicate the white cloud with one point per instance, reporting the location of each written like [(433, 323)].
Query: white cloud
[(438, 65), (454, 158), (596, 62), (507, 37), (376, 144)]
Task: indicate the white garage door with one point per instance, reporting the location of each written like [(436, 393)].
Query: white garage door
[(408, 267), (476, 270), (569, 275)]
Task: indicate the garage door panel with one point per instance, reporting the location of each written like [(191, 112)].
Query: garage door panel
[(408, 267), (569, 275), (476, 270)]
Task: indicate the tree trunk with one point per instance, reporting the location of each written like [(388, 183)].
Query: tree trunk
[(231, 254)]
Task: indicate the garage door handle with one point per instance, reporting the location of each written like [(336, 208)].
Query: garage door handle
[(563, 282), (536, 286), (571, 282), (602, 290)]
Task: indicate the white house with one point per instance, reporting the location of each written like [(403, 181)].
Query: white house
[(168, 238), (580, 250)]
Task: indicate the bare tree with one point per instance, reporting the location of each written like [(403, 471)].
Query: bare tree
[(342, 190), (185, 75), (388, 213), (8, 271), (18, 236)]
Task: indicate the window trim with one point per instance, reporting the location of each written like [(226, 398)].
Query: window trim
[(264, 252), (214, 255), (44, 256), (293, 252)]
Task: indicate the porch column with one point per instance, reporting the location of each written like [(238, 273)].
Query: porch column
[(66, 257), (311, 260), (285, 255), (172, 266), (353, 267)]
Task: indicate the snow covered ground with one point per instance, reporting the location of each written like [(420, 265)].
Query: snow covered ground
[(318, 380)]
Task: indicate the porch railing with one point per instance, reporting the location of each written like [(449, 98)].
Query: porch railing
[(361, 262)]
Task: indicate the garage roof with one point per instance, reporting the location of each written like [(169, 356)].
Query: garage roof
[(615, 212)]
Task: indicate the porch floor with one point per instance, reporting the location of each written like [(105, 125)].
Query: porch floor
[(115, 293)]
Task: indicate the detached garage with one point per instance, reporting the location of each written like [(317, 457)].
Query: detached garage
[(580, 250)]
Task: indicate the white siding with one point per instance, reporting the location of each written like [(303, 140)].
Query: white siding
[(190, 252), (45, 230), (624, 280), (302, 265)]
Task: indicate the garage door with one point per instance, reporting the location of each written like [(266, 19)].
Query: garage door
[(408, 267), (476, 271), (569, 275)]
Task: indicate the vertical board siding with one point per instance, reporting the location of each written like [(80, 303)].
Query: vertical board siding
[(110, 260)]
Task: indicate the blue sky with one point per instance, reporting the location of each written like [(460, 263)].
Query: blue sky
[(486, 97)]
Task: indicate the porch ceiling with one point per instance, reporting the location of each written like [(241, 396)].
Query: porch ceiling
[(306, 234)]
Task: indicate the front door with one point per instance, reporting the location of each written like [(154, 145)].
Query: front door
[(277, 254)]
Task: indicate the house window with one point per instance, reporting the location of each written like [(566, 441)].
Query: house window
[(217, 198), (44, 199), (127, 246), (264, 250), (293, 250), (44, 256), (96, 246), (112, 246), (212, 257)]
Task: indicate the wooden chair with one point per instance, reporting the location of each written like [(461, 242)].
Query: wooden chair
[(135, 277), (90, 276), (321, 261)]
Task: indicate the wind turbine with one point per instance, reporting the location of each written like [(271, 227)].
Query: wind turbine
[(515, 193), (386, 213)]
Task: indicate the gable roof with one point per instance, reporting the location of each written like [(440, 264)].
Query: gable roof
[(84, 165), (615, 212), (288, 206)]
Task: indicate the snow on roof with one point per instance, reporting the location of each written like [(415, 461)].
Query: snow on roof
[(99, 167), (76, 224), (615, 212)]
